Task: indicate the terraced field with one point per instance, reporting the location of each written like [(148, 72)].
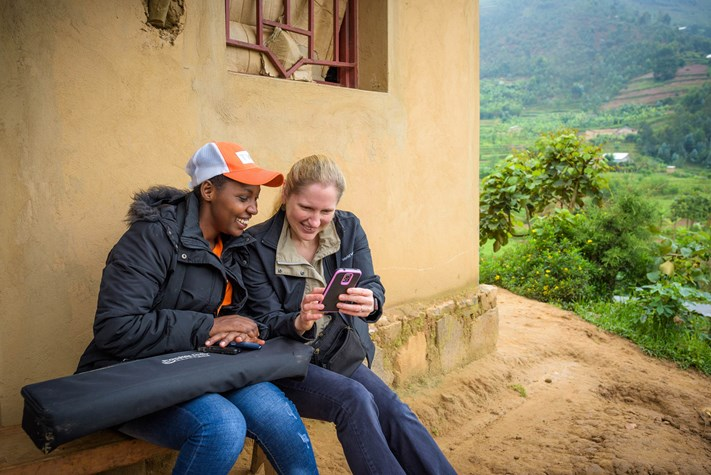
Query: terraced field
[(645, 90)]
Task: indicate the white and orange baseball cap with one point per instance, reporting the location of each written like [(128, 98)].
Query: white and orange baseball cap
[(231, 160)]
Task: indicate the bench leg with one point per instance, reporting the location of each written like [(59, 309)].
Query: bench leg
[(259, 459)]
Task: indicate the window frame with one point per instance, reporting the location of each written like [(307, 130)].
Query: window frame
[(345, 41)]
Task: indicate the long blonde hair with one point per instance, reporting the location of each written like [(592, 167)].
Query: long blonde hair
[(313, 169)]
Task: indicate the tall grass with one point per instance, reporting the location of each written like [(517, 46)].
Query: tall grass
[(622, 318)]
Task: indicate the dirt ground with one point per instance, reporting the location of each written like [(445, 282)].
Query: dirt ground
[(593, 404)]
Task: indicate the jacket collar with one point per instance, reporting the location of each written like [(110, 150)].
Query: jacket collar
[(288, 255), (271, 236)]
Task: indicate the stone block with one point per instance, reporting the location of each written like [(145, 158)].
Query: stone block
[(469, 306), (450, 342), (487, 297), (388, 331), (379, 367), (438, 336), (485, 333), (411, 358), (440, 308)]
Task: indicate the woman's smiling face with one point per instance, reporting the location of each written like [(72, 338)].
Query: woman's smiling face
[(231, 206), (310, 210)]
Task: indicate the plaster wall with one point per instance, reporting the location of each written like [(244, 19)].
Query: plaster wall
[(96, 105)]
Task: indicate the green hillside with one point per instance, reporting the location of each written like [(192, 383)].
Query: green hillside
[(583, 53), (602, 66)]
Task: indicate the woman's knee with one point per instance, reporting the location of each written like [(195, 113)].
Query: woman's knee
[(275, 407), (354, 401), (262, 394), (262, 401), (217, 422), (357, 393)]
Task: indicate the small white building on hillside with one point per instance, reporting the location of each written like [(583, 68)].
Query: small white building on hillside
[(618, 158)]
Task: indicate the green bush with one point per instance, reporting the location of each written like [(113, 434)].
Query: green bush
[(658, 316), (694, 206), (568, 257), (543, 270), (618, 239), (663, 308), (685, 258), (615, 238)]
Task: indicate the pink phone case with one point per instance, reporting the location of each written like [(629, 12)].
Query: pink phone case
[(342, 279)]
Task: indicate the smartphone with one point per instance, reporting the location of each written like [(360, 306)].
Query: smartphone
[(231, 349), (342, 279), (245, 345), (227, 350)]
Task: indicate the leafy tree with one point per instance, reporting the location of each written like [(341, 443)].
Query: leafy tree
[(665, 63), (578, 90), (644, 19), (694, 207), (561, 170), (689, 143), (694, 156)]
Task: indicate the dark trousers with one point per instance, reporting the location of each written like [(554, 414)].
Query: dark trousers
[(379, 433)]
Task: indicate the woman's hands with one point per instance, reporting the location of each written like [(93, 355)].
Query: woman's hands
[(311, 307), (229, 328), (357, 302)]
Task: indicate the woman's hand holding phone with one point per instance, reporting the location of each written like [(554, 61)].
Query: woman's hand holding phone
[(358, 302), (311, 310), (336, 292), (342, 295)]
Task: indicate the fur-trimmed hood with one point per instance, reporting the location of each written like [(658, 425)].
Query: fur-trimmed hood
[(147, 204)]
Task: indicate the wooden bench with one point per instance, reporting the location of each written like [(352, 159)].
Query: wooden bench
[(95, 453)]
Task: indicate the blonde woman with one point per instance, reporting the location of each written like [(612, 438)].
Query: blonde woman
[(293, 256)]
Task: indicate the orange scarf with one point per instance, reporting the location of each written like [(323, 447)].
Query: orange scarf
[(217, 250)]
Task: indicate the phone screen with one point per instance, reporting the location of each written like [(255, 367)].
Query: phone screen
[(342, 279)]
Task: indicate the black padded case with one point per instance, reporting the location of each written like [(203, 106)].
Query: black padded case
[(63, 409)]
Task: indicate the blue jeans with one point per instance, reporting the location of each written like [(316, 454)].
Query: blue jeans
[(379, 433), (209, 431)]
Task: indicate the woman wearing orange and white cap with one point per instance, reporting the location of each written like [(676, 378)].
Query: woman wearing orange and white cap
[(139, 315)]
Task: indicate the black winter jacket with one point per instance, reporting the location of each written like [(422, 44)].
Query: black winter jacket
[(275, 300), (141, 311)]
